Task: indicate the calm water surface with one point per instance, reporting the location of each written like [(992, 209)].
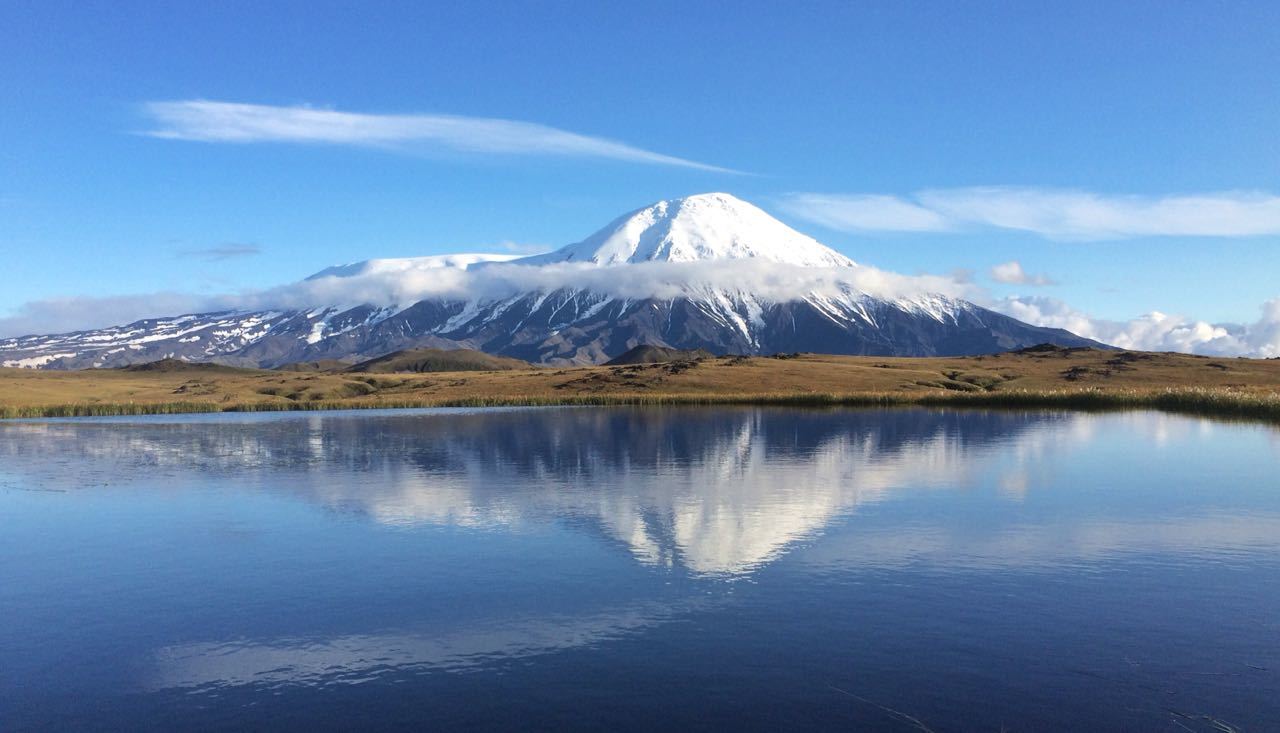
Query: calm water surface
[(640, 569)]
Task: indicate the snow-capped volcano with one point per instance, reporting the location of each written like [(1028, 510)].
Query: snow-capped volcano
[(709, 271), (709, 226)]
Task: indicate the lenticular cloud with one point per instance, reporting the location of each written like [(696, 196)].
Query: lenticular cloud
[(207, 121)]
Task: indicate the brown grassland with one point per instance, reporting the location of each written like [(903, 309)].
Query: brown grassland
[(1075, 378)]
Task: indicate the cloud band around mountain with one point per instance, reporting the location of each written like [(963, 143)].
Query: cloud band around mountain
[(229, 122), (768, 280), (402, 286), (1059, 214)]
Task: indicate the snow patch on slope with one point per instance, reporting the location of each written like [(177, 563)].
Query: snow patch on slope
[(34, 362)]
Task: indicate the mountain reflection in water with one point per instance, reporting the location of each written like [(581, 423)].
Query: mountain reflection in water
[(340, 550), (714, 492)]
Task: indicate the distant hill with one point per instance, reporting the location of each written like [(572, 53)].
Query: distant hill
[(1055, 350), (168, 366), (438, 360), (323, 365), (647, 354)]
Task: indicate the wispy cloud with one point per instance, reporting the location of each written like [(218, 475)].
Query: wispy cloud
[(1051, 213), (228, 122), (864, 212), (1012, 273), (221, 252)]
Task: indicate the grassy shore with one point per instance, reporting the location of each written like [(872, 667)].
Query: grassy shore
[(1082, 379), (1224, 403)]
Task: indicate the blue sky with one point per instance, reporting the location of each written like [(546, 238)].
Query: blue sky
[(1131, 107)]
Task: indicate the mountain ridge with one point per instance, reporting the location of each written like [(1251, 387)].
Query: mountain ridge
[(760, 287)]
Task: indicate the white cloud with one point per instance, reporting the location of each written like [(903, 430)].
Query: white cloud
[(1156, 331), (1051, 213), (227, 122), (765, 279), (1012, 273)]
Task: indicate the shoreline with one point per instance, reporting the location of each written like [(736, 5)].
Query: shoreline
[(1188, 401), (1080, 379)]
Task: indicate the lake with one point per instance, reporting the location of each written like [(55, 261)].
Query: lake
[(648, 569)]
